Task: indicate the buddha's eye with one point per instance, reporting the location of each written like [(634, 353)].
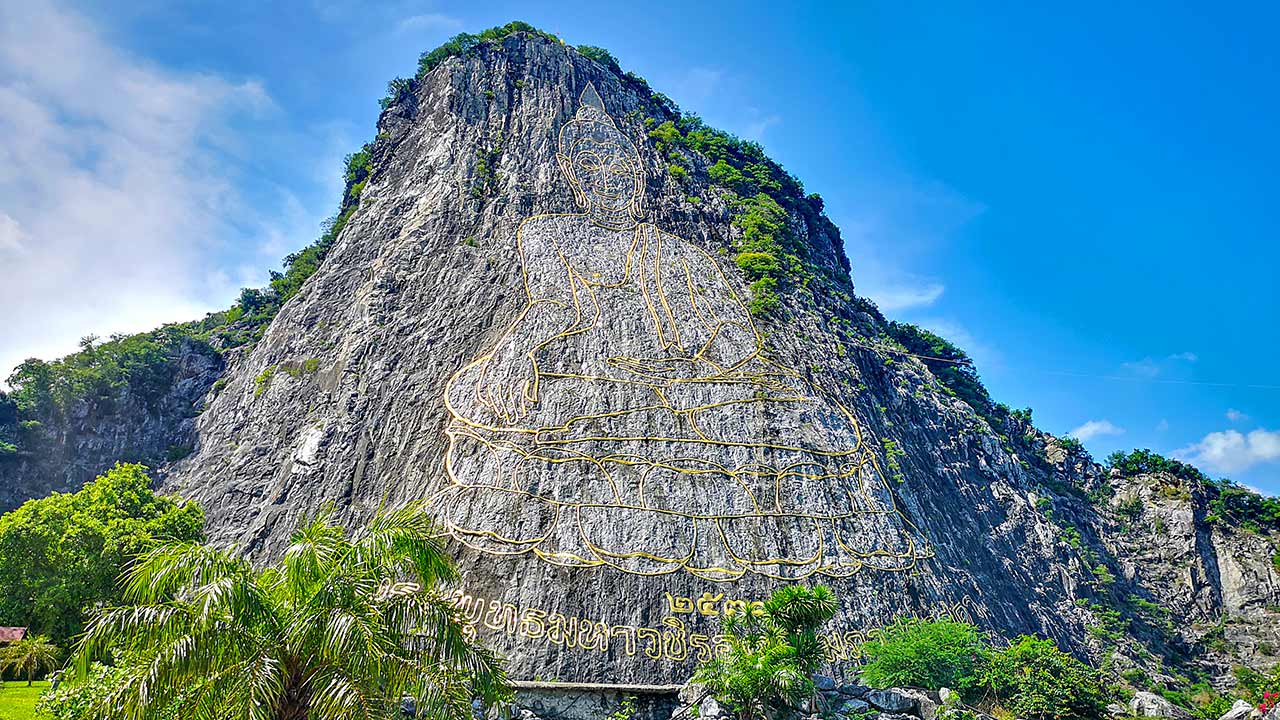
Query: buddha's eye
[(588, 162)]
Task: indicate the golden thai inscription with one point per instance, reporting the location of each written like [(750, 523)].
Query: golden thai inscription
[(672, 641)]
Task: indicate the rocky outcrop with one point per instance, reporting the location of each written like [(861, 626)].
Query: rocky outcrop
[(593, 547), (344, 401), (63, 454)]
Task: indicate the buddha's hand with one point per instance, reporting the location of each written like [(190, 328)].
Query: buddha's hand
[(509, 385)]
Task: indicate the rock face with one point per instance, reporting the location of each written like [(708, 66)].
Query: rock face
[(1145, 704), (62, 456), (533, 324)]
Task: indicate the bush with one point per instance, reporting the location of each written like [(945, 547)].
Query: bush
[(1035, 680), (924, 653), (772, 655), (949, 364), (1145, 462), (82, 700), (600, 55), (60, 555), (757, 264)]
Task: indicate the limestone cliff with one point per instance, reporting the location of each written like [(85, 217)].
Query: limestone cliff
[(637, 383)]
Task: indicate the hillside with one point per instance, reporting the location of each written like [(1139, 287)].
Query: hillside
[(526, 199)]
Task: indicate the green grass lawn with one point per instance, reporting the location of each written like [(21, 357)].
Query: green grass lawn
[(18, 702)]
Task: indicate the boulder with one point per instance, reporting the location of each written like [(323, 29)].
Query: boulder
[(854, 690), (1239, 711), (926, 704), (824, 683), (893, 700), (1145, 704), (853, 706), (692, 693), (711, 708)]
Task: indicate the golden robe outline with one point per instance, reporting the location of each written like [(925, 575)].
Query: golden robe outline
[(629, 416)]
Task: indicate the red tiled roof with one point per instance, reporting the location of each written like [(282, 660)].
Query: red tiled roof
[(10, 634)]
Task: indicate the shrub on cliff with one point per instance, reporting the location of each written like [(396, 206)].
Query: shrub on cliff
[(1035, 680), (924, 653), (772, 653), (342, 627)]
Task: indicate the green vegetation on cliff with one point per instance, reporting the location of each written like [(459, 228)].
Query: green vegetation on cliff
[(1227, 500)]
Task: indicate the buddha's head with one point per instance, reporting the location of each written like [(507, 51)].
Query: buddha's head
[(600, 162)]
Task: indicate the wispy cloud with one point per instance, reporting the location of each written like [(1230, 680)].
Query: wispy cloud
[(1146, 367), (754, 129), (112, 189), (429, 22), (1095, 428), (1163, 425), (12, 238), (1149, 367), (895, 297), (1236, 416), (1232, 450)]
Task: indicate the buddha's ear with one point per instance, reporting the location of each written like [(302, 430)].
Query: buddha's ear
[(637, 202), (566, 167)]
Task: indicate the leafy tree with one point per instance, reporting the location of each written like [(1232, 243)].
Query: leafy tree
[(1035, 680), (342, 627), (600, 55), (29, 656), (772, 654), (62, 554), (924, 653), (1143, 462)]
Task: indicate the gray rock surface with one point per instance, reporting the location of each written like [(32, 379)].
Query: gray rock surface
[(894, 700), (1239, 711), (1145, 704), (61, 455)]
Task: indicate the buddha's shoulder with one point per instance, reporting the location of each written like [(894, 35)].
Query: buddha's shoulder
[(552, 222), (670, 240)]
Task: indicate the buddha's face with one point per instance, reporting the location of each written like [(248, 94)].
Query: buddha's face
[(604, 171)]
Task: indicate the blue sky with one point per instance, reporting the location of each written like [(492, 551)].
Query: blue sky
[(1083, 200)]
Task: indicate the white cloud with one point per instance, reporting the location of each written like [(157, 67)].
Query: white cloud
[(113, 184), (894, 297), (429, 22), (1146, 367), (12, 238), (1149, 367), (1235, 415), (1233, 451), (1095, 428), (1163, 425), (754, 129)]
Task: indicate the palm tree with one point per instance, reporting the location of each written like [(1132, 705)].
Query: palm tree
[(29, 656), (342, 627)]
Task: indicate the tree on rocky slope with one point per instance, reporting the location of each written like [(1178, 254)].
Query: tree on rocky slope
[(343, 627)]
